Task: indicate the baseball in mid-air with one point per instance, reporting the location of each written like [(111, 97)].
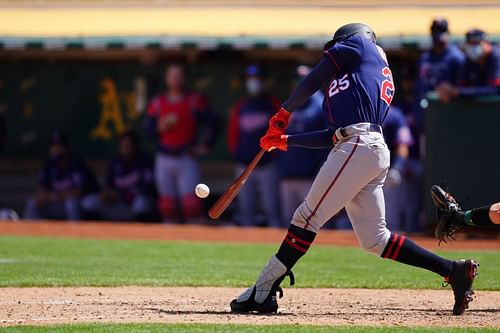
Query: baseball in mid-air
[(202, 191)]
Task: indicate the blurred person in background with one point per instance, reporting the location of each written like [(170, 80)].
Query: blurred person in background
[(129, 193), (298, 166), (442, 63), (248, 120), (480, 74), (398, 138), (62, 184), (185, 128)]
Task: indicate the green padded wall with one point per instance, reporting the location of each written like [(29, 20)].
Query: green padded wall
[(463, 149)]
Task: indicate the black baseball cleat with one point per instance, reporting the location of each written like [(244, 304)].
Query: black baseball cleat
[(270, 305), (461, 279)]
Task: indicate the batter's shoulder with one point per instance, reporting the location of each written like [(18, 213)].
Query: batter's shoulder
[(345, 52)]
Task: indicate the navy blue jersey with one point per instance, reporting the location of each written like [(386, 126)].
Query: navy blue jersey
[(435, 68), (76, 176), (362, 89), (248, 122), (131, 178), (396, 130), (298, 162), (486, 73)]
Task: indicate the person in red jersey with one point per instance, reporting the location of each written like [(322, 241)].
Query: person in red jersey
[(185, 128)]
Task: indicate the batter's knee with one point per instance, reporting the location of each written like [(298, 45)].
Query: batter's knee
[(375, 242), (495, 213), (305, 219)]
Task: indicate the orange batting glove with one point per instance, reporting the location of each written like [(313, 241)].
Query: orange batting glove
[(278, 123), (270, 143)]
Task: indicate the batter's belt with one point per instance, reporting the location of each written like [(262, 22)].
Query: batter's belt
[(355, 129)]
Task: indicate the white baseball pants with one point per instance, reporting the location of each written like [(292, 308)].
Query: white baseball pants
[(351, 177)]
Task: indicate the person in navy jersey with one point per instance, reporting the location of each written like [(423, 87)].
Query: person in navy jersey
[(298, 166), (62, 184), (357, 99), (247, 123), (398, 138), (481, 73), (129, 193), (442, 63)]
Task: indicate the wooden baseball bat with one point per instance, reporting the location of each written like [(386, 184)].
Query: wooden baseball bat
[(232, 191)]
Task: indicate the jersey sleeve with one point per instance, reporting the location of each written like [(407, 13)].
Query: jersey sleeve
[(198, 103), (345, 52), (154, 107)]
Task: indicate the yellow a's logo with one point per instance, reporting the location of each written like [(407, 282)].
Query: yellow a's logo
[(111, 114)]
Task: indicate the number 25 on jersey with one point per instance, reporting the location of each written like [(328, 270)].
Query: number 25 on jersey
[(339, 85)]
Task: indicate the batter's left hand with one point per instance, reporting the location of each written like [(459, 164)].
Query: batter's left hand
[(278, 123), (270, 143)]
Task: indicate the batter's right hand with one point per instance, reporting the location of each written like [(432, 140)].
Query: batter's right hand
[(278, 123), (270, 143)]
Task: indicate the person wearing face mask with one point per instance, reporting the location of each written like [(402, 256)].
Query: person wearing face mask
[(63, 183), (442, 63), (480, 74), (248, 120)]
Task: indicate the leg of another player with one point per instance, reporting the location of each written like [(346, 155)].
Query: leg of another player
[(269, 197), (32, 211), (164, 174), (188, 175)]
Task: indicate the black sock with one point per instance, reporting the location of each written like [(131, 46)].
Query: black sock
[(481, 216), (404, 250), (295, 245)]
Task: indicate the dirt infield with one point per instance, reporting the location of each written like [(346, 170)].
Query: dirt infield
[(216, 233), (37, 306)]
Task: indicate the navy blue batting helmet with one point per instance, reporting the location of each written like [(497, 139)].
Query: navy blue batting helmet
[(349, 30)]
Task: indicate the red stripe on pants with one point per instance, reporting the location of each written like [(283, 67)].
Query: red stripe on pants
[(331, 184)]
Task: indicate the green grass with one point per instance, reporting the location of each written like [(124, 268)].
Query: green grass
[(26, 261), (199, 328)]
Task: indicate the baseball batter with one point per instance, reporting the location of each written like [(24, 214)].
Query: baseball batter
[(357, 98)]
